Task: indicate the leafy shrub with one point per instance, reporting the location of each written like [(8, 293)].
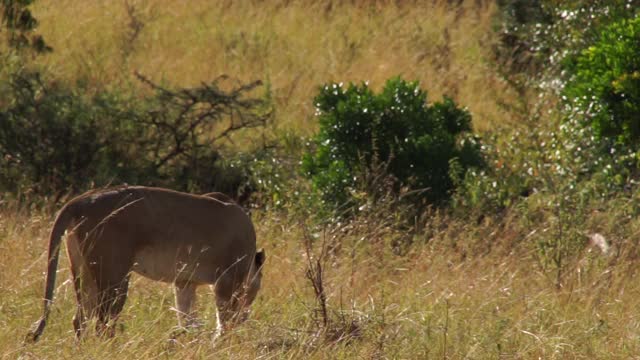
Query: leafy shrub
[(544, 158), (55, 139), (562, 47), (416, 143), (537, 36), (605, 88), (514, 165), (52, 139)]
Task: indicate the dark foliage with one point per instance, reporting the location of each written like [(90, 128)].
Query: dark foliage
[(55, 139), (423, 147)]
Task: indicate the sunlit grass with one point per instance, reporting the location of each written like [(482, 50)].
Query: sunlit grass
[(294, 46), (428, 303), (463, 290)]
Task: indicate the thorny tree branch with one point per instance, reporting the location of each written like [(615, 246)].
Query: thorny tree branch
[(189, 119)]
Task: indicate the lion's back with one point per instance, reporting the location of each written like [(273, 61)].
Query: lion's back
[(167, 230)]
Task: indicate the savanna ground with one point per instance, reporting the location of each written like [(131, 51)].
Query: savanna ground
[(463, 289)]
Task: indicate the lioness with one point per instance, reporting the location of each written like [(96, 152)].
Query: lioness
[(188, 240)]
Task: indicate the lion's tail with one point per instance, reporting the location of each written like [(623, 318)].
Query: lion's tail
[(63, 220)]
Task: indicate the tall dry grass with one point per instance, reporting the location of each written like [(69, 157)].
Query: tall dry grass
[(295, 46), (425, 304), (463, 290)]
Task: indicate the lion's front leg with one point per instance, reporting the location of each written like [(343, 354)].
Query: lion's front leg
[(229, 310), (185, 299), (225, 315)]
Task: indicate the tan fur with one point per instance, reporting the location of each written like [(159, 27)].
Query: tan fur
[(220, 196), (168, 236)]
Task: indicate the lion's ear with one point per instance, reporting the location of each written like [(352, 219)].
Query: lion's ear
[(260, 258)]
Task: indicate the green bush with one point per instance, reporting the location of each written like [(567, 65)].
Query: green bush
[(420, 146), (581, 51), (605, 88), (541, 159), (53, 139), (538, 36), (515, 163)]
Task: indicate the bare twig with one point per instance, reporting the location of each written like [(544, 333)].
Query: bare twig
[(315, 275), (188, 119)]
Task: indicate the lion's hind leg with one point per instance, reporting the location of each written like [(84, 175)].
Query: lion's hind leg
[(84, 285), (79, 319), (110, 261), (112, 296)]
